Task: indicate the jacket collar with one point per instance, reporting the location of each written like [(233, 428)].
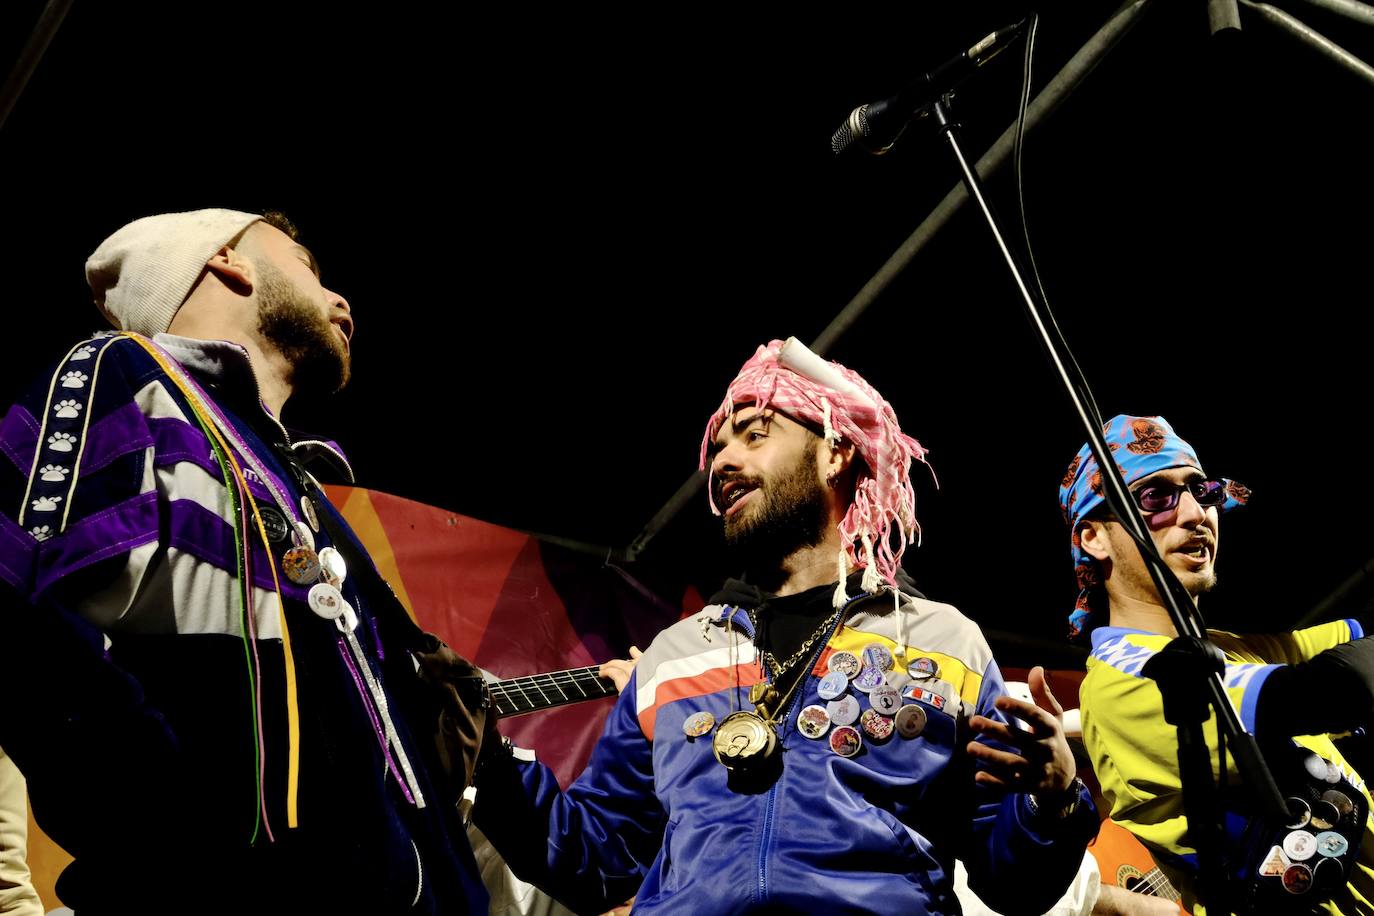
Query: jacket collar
[(225, 366)]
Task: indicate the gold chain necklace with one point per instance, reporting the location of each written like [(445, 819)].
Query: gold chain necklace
[(780, 669), (744, 740)]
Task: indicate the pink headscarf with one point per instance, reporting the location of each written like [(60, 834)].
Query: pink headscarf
[(790, 378)]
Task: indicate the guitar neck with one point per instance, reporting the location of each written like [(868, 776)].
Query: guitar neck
[(520, 695)]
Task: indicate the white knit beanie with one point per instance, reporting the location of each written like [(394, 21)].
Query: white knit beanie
[(143, 273)]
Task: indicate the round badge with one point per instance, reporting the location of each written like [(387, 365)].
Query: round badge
[(833, 685), (1333, 773), (1297, 879), (1340, 801), (1328, 874), (1301, 811), (274, 523), (1316, 767), (845, 741), (846, 663), (304, 536), (844, 711), (301, 565), (875, 725), (1324, 815), (813, 721), (335, 570), (349, 620), (1332, 844), (923, 668), (308, 510), (1300, 845), (869, 678), (698, 724), (910, 721), (887, 700), (326, 601), (876, 655)]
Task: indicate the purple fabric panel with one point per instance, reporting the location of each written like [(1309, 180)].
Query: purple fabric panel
[(177, 441), (116, 434), (18, 435), (17, 552), (97, 537), (203, 534)]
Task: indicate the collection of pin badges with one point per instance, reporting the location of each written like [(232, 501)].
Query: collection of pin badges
[(324, 571), (1311, 855), (842, 719)]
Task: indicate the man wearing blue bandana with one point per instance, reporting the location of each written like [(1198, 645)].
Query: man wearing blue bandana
[(1324, 860)]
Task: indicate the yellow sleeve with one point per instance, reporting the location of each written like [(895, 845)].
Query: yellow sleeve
[(1289, 648)]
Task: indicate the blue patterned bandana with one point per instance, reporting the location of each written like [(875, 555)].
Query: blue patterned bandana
[(1140, 446)]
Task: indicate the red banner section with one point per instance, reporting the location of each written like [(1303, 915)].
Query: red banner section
[(513, 604)]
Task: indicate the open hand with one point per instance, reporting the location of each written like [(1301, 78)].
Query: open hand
[(1039, 761)]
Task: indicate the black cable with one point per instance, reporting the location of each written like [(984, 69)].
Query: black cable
[(1080, 381)]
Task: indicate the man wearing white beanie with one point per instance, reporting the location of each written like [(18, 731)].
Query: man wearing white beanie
[(221, 710)]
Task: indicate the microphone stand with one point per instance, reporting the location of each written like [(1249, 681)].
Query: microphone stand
[(1189, 669)]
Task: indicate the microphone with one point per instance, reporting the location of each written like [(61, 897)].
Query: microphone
[(878, 124)]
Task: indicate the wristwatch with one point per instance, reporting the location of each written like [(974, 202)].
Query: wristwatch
[(1072, 796)]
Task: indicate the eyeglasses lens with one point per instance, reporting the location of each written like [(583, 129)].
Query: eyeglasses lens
[(1162, 498)]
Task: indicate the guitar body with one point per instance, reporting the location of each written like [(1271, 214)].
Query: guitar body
[(1127, 864)]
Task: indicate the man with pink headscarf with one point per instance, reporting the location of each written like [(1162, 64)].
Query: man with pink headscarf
[(803, 744)]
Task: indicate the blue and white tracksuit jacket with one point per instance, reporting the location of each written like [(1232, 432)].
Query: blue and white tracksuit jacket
[(656, 816)]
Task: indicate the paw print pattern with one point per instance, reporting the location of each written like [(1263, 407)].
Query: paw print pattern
[(53, 472), (67, 409), (83, 353), (61, 442), (75, 379), (40, 532), (46, 503)]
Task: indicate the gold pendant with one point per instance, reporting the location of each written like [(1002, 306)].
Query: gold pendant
[(745, 739), (742, 740)]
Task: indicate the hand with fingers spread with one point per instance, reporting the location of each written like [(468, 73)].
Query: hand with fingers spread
[(1039, 760), (618, 669)]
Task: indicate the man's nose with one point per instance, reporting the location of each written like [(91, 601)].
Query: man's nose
[(1191, 513), (726, 460)]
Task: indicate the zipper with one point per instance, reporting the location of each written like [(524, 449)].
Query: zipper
[(766, 836)]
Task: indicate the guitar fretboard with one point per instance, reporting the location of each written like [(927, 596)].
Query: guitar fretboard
[(521, 695)]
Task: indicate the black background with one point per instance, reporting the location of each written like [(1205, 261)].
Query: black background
[(562, 230)]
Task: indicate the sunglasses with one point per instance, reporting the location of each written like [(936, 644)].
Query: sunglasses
[(1161, 497)]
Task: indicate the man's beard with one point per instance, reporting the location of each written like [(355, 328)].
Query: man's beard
[(294, 325), (791, 514)]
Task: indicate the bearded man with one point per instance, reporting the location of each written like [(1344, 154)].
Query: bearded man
[(803, 744), (213, 694)]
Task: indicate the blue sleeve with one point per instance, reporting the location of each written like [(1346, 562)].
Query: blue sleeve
[(591, 846), (1019, 861)]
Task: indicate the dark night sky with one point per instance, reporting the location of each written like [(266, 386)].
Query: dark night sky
[(562, 231)]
